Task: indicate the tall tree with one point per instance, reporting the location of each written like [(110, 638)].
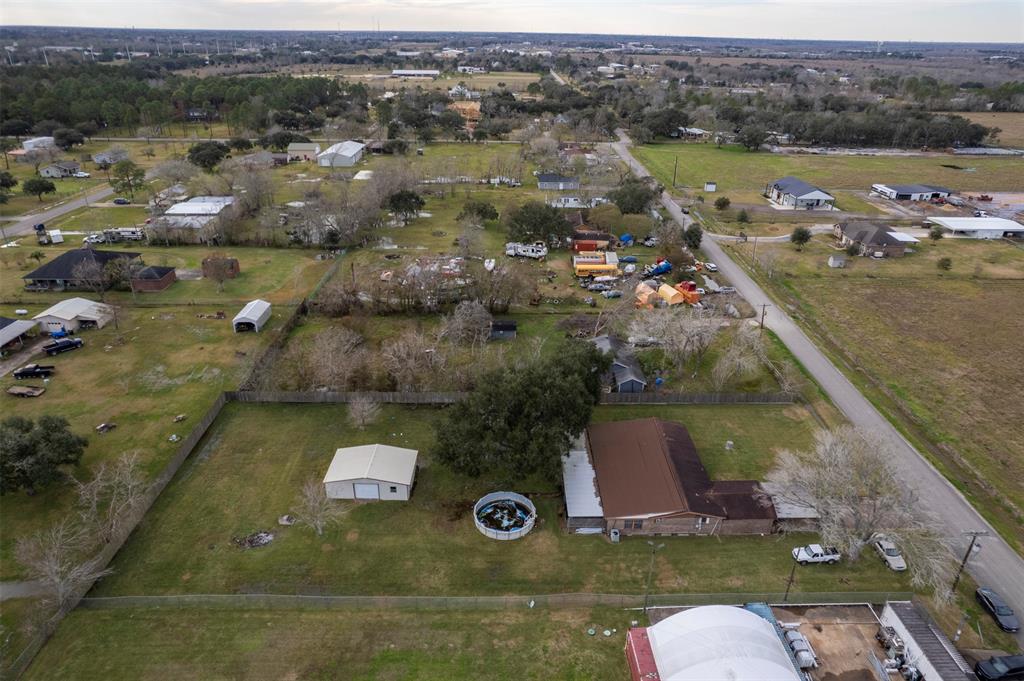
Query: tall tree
[(32, 452), (537, 221), (37, 186), (127, 177)]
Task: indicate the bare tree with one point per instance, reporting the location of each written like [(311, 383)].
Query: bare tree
[(218, 268), (685, 333), (175, 171), (363, 411), (60, 558), (335, 356), (411, 359), (315, 509), (744, 354), (849, 477), (468, 324), (107, 503), (90, 274)]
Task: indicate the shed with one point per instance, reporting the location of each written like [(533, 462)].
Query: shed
[(73, 314), (303, 151), (927, 648), (153, 278), (12, 332), (503, 329), (836, 261), (341, 155), (253, 316), (711, 186), (371, 472)]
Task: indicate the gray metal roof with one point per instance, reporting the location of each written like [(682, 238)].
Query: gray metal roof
[(917, 188), (555, 177), (933, 643), (796, 186)]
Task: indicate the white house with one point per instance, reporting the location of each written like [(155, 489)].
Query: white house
[(72, 314), (253, 317), (792, 192), (371, 472), (980, 228), (341, 155), (303, 151), (37, 143), (911, 192), (60, 169)]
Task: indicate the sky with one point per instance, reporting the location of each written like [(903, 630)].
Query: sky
[(887, 20)]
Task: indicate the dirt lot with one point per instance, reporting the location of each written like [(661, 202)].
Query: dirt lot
[(842, 636)]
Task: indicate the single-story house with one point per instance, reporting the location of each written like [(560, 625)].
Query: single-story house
[(169, 196), (153, 278), (651, 481), (692, 133), (625, 375), (13, 332), (504, 329), (873, 239), (63, 272), (980, 228), (74, 314), (60, 169), (303, 151), (341, 155), (253, 317), (109, 157), (911, 192), (792, 192), (186, 221), (38, 143), (371, 472), (556, 182)]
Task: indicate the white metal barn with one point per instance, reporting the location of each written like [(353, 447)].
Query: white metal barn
[(253, 316), (341, 155), (371, 472), (980, 228), (72, 314)]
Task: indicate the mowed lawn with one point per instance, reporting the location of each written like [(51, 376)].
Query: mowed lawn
[(253, 463), (430, 645), (159, 363), (737, 170), (947, 346), (279, 275)]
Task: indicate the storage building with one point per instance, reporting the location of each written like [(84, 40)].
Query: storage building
[(341, 155), (253, 316), (980, 228), (371, 473), (911, 192), (74, 314)]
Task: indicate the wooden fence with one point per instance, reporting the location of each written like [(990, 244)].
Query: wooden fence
[(326, 397)]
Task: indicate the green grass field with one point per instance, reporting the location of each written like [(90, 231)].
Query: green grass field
[(737, 170), (218, 645), (256, 458), (940, 347), (160, 362)]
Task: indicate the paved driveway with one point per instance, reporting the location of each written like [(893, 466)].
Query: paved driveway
[(996, 564)]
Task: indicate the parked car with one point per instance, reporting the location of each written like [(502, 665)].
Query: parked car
[(711, 267), (33, 371), (650, 241), (816, 553), (998, 608), (121, 201), (95, 239), (63, 345), (1001, 668), (727, 289), (598, 286), (890, 554), (81, 174), (611, 294)]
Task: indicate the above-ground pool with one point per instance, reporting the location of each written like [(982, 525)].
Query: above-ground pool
[(504, 515)]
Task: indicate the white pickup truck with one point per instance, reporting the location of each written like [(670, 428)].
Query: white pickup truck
[(816, 553)]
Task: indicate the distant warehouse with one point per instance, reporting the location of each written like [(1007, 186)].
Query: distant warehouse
[(980, 228), (415, 73)]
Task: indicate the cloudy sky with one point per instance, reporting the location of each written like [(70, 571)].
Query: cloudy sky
[(917, 20)]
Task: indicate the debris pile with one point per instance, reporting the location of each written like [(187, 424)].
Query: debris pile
[(254, 540)]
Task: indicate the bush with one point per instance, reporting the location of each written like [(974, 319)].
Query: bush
[(743, 217), (935, 233), (800, 236), (722, 202), (945, 264)]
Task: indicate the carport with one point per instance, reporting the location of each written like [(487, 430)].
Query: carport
[(252, 317)]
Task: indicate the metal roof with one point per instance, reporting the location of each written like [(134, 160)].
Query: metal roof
[(201, 205), (347, 148), (373, 462), (252, 311), (74, 308), (12, 328), (915, 188), (797, 187), (934, 645), (977, 224), (580, 483)]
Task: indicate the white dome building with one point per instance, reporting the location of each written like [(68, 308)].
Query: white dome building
[(714, 643)]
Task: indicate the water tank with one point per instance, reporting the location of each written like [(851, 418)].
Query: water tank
[(614, 536), (805, 660)]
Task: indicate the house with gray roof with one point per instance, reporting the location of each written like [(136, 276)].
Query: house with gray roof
[(793, 193), (556, 182), (911, 192), (60, 169), (625, 375), (872, 238)]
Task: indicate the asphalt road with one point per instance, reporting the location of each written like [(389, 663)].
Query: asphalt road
[(996, 564), (26, 223)]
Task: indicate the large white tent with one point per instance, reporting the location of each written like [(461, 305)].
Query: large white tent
[(719, 643)]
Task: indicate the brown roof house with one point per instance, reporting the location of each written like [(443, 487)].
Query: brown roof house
[(649, 480), (875, 240)]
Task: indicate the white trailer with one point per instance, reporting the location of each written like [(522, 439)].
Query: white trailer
[(535, 250)]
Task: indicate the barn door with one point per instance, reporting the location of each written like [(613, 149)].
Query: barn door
[(366, 490)]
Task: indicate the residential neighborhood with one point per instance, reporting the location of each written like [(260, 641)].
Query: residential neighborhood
[(404, 345)]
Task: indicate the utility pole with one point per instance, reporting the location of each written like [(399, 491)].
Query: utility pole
[(650, 572), (753, 254), (675, 167), (789, 582), (764, 307), (970, 547)]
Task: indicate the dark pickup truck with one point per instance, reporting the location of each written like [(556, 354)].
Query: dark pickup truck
[(63, 345), (34, 371)]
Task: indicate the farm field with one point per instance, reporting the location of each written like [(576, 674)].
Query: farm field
[(160, 362), (279, 275), (255, 459), (913, 335), (1011, 124), (431, 645), (737, 170)]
